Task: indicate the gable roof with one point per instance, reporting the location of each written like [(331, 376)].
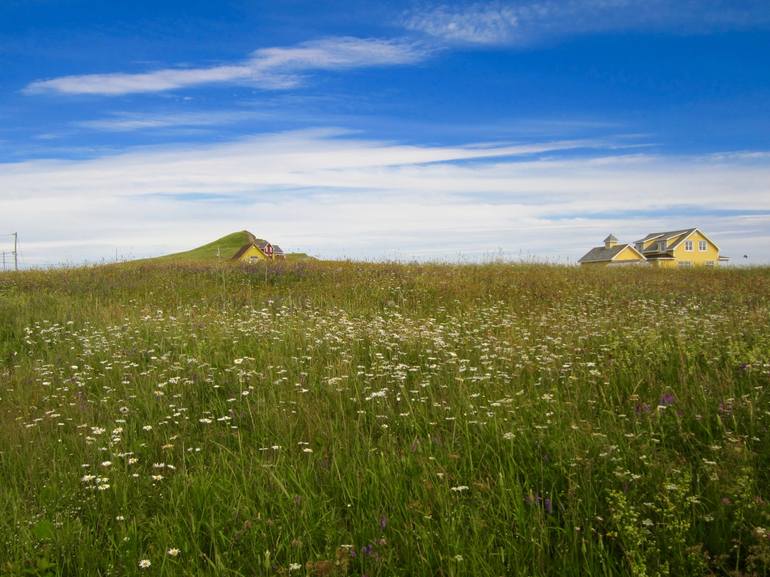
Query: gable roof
[(703, 234), (681, 235), (603, 254), (260, 244), (241, 250), (666, 235), (256, 242)]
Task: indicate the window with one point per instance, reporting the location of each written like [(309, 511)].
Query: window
[(253, 259), (709, 263), (702, 245), (685, 264), (688, 246), (661, 246)]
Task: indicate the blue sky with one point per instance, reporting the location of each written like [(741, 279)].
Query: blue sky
[(459, 131)]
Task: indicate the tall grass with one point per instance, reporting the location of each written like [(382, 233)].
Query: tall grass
[(362, 419)]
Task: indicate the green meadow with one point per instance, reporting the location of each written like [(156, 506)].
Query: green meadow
[(349, 419)]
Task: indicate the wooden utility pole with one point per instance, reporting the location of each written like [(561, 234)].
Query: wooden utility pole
[(15, 251)]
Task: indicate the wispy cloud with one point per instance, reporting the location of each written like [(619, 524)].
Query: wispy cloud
[(132, 121), (477, 23), (336, 194), (267, 68), (489, 23), (500, 22)]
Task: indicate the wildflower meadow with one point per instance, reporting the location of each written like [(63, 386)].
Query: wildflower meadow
[(353, 419)]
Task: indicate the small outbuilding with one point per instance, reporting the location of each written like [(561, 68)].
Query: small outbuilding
[(258, 249), (613, 254)]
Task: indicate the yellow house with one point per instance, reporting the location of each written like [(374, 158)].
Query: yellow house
[(613, 254), (258, 250), (671, 249), (679, 249)]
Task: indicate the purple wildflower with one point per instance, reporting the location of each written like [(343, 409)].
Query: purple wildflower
[(642, 408), (726, 408), (667, 400)]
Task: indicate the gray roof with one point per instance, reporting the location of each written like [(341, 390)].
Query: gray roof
[(666, 235), (601, 254), (652, 250), (611, 238)]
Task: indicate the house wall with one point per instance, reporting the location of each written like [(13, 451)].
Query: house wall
[(696, 257), (663, 263), (252, 251), (627, 254)]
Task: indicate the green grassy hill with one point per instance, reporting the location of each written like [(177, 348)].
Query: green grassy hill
[(222, 249)]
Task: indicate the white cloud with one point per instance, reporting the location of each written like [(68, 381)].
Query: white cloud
[(157, 81), (478, 23), (496, 22), (335, 195), (131, 121), (267, 68), (338, 53), (501, 22)]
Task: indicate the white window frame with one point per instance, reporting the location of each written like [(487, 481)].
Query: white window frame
[(685, 264), (661, 246), (688, 246), (702, 246), (709, 263)]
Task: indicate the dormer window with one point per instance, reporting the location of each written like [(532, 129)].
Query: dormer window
[(661, 246)]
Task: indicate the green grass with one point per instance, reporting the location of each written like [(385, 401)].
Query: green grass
[(341, 418)]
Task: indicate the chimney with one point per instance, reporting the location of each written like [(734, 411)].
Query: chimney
[(610, 241)]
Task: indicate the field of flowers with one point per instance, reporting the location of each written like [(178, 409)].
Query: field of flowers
[(333, 419)]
